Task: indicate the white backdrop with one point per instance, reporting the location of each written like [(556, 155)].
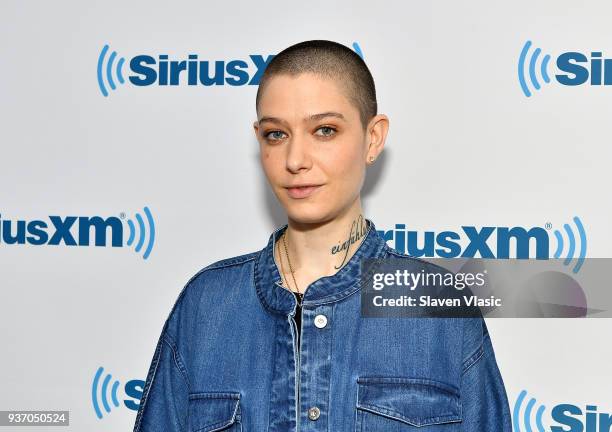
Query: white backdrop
[(466, 147)]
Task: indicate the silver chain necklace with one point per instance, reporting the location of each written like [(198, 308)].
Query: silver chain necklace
[(298, 294)]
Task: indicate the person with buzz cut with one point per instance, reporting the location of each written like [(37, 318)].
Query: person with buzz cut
[(273, 340)]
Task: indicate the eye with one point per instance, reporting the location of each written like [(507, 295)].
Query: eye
[(273, 135), (327, 131)]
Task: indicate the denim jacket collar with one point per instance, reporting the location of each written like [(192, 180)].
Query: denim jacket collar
[(344, 282)]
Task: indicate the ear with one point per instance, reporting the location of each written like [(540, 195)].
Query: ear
[(376, 135)]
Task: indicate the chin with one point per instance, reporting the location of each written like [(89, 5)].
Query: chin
[(308, 214)]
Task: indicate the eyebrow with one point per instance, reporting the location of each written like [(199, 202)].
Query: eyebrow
[(313, 117)]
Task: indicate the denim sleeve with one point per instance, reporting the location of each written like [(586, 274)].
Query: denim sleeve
[(163, 406), (483, 395)]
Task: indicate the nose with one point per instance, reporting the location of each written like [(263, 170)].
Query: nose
[(298, 157)]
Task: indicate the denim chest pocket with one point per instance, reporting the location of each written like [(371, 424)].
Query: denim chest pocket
[(401, 404), (214, 411)]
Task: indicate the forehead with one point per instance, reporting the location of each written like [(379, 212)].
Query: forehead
[(307, 93)]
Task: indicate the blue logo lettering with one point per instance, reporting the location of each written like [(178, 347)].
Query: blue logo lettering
[(575, 68)]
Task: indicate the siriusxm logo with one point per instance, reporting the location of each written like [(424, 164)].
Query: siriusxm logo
[(574, 68), (82, 231), (491, 242), (146, 70), (568, 417), (105, 393)]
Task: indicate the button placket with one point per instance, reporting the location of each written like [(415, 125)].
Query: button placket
[(315, 365)]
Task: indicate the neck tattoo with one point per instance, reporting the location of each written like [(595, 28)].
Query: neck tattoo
[(358, 230)]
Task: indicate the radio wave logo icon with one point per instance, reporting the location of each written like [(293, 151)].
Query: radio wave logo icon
[(141, 233), (571, 241), (106, 70), (103, 393), (357, 49), (528, 68), (528, 416)]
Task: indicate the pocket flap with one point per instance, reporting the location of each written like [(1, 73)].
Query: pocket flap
[(415, 401), (212, 411)]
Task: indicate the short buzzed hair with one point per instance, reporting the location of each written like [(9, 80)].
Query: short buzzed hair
[(331, 60)]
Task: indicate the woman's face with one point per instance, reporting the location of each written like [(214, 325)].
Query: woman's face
[(310, 135)]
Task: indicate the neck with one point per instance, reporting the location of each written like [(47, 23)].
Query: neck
[(317, 250)]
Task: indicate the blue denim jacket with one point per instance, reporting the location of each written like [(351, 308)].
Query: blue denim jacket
[(227, 360)]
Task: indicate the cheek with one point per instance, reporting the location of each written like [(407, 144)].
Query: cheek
[(347, 162), (345, 170), (270, 164)]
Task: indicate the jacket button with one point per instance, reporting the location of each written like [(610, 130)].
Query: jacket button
[(320, 321), (314, 413)]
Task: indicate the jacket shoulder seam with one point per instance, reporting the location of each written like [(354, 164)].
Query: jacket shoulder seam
[(477, 355), (177, 359), (227, 262)]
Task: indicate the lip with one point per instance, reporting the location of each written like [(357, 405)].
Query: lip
[(302, 190)]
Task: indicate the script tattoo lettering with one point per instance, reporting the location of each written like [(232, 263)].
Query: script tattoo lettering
[(358, 230)]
